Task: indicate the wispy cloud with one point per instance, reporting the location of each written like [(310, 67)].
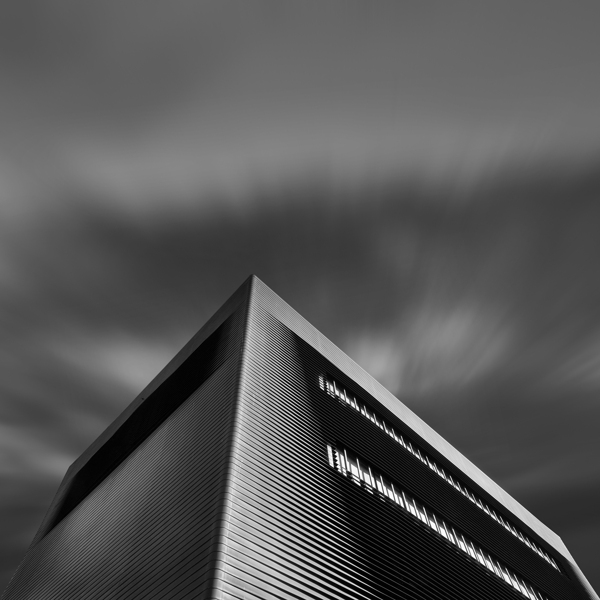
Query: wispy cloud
[(157, 106), (24, 453), (579, 368), (119, 358), (435, 350)]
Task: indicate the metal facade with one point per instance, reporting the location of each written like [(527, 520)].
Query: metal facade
[(216, 483)]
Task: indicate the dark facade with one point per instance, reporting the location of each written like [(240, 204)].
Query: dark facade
[(263, 463)]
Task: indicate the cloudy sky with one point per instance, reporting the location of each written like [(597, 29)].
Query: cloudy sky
[(420, 180)]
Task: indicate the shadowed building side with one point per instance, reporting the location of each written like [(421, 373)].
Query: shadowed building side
[(151, 526)]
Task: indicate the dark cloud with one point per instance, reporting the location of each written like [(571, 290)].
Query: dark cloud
[(139, 98), (112, 64), (94, 303)]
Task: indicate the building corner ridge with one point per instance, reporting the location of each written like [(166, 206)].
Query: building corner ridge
[(220, 562)]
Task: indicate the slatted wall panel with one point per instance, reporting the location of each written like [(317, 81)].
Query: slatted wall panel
[(349, 428), (147, 417), (298, 529), (150, 528)]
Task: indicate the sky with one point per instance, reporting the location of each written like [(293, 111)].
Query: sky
[(421, 181)]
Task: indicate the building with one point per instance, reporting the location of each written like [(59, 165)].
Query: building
[(263, 463)]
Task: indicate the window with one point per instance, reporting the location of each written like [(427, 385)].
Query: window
[(360, 472), (336, 390)]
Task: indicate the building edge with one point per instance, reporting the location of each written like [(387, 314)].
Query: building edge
[(216, 591)]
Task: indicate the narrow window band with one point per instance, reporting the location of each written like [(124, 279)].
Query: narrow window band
[(363, 474), (336, 390)]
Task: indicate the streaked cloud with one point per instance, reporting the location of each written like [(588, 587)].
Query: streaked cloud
[(154, 105), (436, 349), (580, 369), (123, 360), (25, 454)]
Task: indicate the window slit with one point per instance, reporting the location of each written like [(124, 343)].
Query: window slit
[(333, 388), (371, 479)]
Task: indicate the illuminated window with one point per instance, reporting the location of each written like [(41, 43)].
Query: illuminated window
[(370, 479), (334, 389)]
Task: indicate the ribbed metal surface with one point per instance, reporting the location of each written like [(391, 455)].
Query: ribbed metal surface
[(151, 527), (148, 416), (342, 394), (298, 529), (348, 428)]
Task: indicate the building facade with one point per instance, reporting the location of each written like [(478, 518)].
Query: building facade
[(263, 463)]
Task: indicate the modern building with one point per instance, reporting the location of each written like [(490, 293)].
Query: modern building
[(263, 463)]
